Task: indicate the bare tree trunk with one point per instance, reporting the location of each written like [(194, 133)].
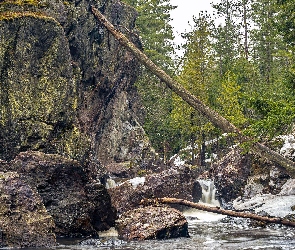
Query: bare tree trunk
[(245, 24), (218, 210), (216, 119)]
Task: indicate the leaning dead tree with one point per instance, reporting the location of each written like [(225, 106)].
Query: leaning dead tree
[(218, 210), (216, 119)]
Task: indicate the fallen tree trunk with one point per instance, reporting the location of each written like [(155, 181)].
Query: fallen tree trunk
[(193, 101), (218, 210)]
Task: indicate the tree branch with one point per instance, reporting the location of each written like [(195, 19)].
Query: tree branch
[(218, 210)]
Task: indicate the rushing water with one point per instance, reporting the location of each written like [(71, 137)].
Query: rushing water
[(207, 232)]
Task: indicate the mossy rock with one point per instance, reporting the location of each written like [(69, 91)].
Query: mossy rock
[(37, 85)]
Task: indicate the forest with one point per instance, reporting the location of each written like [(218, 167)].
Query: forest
[(243, 68), (101, 147)]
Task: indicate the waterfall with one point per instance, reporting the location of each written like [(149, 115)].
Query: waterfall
[(110, 183), (208, 198), (208, 193)]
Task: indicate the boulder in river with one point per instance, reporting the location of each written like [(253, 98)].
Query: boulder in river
[(230, 174), (173, 182), (152, 223), (24, 221), (78, 204)]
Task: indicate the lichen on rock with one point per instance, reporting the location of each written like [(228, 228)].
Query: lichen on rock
[(24, 221), (37, 88), (152, 223)]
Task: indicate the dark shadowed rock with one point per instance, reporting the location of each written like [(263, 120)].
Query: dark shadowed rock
[(230, 174), (78, 205), (177, 183), (67, 85), (152, 223), (24, 221)]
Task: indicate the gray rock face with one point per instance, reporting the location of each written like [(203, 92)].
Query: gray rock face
[(67, 84), (66, 88), (152, 223), (78, 204), (24, 221)]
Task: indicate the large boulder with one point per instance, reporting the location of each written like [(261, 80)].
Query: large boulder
[(78, 204), (230, 174), (152, 223), (175, 182), (24, 221), (67, 85)]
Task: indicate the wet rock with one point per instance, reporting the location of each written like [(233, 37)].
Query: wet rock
[(78, 204), (24, 221), (177, 183), (230, 174), (152, 223)]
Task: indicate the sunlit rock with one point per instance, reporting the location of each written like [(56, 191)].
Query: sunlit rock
[(152, 223)]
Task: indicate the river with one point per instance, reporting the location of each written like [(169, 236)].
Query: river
[(207, 232)]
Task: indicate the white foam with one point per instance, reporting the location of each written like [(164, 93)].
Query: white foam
[(112, 232), (195, 215), (110, 183)]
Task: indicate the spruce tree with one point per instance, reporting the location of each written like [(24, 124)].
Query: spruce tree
[(157, 40)]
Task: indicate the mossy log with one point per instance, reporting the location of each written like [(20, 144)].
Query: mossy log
[(215, 118), (218, 210)]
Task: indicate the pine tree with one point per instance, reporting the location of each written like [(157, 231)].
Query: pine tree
[(229, 100), (195, 75), (157, 39), (227, 36)]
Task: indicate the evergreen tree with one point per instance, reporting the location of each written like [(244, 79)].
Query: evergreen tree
[(195, 75), (157, 39), (227, 36), (229, 100)]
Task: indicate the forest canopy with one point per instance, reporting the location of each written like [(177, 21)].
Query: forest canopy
[(244, 69)]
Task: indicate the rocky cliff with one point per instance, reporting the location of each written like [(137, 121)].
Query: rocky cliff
[(66, 83), (68, 107)]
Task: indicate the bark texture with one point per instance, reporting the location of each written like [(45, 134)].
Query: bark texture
[(219, 210)]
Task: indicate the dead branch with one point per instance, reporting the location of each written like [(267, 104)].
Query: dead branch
[(193, 101), (218, 210)]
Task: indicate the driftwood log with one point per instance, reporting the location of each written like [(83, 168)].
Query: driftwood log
[(218, 210), (216, 119)]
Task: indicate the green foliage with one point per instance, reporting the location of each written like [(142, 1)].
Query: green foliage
[(157, 39), (286, 20), (229, 98), (246, 73)]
